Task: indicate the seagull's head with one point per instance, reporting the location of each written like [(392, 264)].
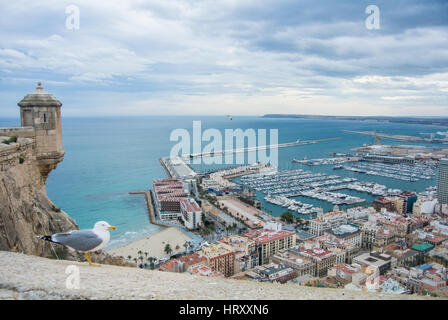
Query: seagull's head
[(103, 225)]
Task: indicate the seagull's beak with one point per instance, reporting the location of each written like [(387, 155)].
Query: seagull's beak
[(112, 227)]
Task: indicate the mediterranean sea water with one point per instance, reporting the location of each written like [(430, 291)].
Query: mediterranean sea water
[(108, 157)]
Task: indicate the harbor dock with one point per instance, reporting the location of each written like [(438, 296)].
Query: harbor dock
[(272, 146)]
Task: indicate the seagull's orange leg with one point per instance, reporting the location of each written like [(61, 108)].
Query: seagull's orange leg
[(87, 255)]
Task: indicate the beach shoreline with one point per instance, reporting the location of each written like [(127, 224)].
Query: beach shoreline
[(153, 244)]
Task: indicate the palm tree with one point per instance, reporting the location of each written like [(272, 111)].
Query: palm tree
[(151, 262), (146, 254), (129, 257), (168, 249), (135, 260), (139, 252), (186, 245)]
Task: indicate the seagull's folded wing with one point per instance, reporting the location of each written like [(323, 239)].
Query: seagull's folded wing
[(80, 240)]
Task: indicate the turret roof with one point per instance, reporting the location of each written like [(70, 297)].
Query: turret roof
[(39, 98)]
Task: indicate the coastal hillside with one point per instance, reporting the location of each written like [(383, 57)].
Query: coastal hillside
[(26, 211), (30, 277)]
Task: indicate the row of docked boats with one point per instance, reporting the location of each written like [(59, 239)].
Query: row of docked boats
[(294, 183), (367, 187), (404, 172), (291, 204)]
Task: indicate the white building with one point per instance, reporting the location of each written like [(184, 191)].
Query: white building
[(424, 205), (441, 226), (272, 225), (191, 214), (327, 221), (360, 212)]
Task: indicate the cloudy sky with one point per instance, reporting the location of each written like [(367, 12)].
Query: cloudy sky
[(240, 57)]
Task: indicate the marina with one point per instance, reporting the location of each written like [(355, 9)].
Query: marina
[(282, 185), (317, 162), (404, 172)]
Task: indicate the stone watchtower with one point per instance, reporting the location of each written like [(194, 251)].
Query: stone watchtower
[(42, 111)]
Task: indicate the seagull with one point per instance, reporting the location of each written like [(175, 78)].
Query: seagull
[(84, 240)]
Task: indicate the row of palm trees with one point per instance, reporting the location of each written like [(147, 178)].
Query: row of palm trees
[(143, 256)]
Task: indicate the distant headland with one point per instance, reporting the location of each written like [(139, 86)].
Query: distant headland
[(435, 121)]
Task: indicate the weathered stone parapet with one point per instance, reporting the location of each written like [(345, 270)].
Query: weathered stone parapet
[(20, 132), (28, 277), (21, 152)]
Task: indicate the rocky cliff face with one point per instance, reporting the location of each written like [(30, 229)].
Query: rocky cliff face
[(25, 209)]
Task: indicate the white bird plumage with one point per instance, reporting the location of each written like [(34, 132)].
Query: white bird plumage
[(84, 240)]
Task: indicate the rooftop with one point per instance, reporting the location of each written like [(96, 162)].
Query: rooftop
[(422, 246), (190, 205), (39, 98), (266, 235)]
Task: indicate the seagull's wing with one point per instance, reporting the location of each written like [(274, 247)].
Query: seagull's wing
[(80, 240)]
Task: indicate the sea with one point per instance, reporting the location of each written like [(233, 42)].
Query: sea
[(108, 157)]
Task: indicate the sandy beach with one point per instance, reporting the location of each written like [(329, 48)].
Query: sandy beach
[(154, 244)]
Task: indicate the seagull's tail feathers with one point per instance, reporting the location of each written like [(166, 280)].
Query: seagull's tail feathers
[(46, 238)]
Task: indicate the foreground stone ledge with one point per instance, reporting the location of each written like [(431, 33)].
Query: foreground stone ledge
[(31, 277)]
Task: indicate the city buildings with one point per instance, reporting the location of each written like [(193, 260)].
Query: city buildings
[(439, 255), (385, 203), (172, 202), (442, 182), (347, 233), (168, 194), (272, 273), (400, 232), (380, 261), (323, 258), (246, 253), (191, 213), (220, 257), (343, 272), (183, 263), (302, 265), (404, 255), (269, 242), (431, 277), (327, 221), (424, 205), (204, 271)]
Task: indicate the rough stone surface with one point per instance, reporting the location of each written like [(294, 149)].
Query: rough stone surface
[(26, 210), (30, 277)]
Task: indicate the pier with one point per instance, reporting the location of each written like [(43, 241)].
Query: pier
[(151, 214), (400, 137), (337, 160), (162, 162), (247, 149), (177, 167)]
